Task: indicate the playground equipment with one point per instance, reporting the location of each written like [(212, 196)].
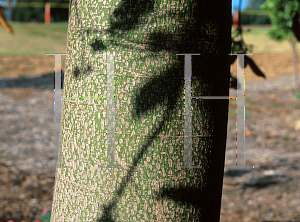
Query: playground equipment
[(3, 22)]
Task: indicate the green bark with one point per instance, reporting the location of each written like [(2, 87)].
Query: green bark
[(149, 111)]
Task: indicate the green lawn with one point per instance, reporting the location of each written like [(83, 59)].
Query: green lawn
[(34, 39), (38, 39), (263, 44)]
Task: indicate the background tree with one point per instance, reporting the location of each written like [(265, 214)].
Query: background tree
[(256, 18), (285, 25), (254, 4), (149, 105), (37, 14)]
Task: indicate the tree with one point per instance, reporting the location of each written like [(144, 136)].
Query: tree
[(254, 4), (149, 104), (285, 25), (37, 14), (254, 19)]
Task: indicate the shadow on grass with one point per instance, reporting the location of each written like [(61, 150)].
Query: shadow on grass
[(41, 82)]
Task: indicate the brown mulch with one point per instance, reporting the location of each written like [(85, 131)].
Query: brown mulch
[(267, 192), (26, 135)]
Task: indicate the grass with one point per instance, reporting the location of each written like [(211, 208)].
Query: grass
[(36, 39), (286, 137), (263, 44), (249, 101)]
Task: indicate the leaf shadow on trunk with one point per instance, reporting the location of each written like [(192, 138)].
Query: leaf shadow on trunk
[(97, 46), (127, 16), (164, 89), (124, 18)]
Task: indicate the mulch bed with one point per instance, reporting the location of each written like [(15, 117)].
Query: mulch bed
[(267, 192)]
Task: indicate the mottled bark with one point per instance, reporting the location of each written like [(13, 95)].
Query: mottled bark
[(149, 111)]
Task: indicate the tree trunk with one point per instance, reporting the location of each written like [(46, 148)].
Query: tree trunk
[(295, 63), (146, 134)]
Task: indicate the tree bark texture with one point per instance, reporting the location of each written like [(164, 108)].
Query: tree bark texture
[(149, 111)]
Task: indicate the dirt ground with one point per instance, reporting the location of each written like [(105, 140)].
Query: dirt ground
[(267, 192), (274, 65)]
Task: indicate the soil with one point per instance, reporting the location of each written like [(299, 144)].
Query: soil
[(266, 189)]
